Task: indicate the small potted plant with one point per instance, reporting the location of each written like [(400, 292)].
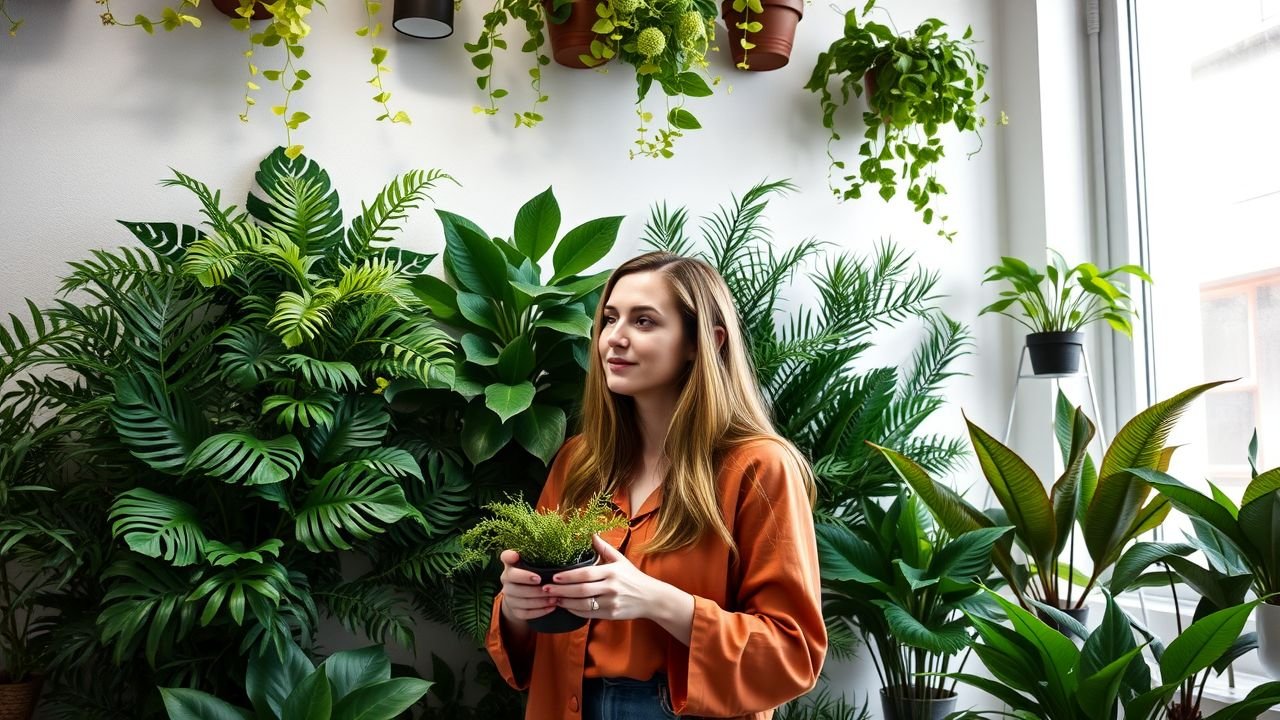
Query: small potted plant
[(667, 42), (915, 84), (761, 32), (904, 582), (549, 541), (1075, 297)]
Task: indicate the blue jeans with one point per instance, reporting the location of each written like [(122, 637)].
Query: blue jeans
[(626, 699)]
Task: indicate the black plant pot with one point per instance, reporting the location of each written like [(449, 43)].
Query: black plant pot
[(558, 620), (428, 19), (901, 704), (1081, 615), (1055, 353)]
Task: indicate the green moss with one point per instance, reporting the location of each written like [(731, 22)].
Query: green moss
[(544, 538)]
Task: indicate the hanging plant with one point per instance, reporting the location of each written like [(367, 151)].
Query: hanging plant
[(915, 84), (531, 14), (288, 27), (667, 42)]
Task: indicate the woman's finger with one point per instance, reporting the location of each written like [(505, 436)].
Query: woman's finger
[(576, 590), (593, 573)]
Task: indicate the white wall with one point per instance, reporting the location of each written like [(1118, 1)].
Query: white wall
[(91, 118)]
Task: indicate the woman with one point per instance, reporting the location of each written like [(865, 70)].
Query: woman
[(708, 604)]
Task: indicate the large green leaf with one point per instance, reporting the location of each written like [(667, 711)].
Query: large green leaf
[(1097, 693), (1259, 522), (186, 704), (1197, 505), (568, 319), (158, 526), (842, 555), (270, 679), (1141, 441), (1059, 655), (946, 638), (1203, 643), (507, 401), (166, 240), (351, 503), (440, 297), (1020, 493), (967, 557), (302, 203), (476, 263), (1066, 491), (381, 701), (537, 223), (516, 362), (1264, 484), (241, 458), (360, 422), (483, 432), (1138, 558), (584, 246), (159, 428), (145, 595), (351, 669), (310, 699), (540, 430), (1259, 700)]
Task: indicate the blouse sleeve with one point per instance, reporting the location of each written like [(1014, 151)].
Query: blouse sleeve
[(515, 662), (771, 650)]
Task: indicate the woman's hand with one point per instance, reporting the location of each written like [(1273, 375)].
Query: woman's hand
[(522, 595), (618, 590)]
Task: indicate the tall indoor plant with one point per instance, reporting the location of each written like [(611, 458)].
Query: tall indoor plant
[(1055, 313), (1110, 506), (905, 584), (230, 438), (915, 84)]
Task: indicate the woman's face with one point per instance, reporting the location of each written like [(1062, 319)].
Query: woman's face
[(642, 343)]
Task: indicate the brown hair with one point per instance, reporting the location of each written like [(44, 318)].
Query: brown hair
[(720, 407)]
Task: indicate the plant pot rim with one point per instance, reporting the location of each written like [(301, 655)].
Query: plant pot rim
[(1048, 336), (726, 6), (588, 559), (943, 697)]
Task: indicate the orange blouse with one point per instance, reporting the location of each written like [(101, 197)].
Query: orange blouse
[(758, 635)]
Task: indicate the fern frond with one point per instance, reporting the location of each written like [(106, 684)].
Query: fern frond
[(390, 206), (219, 218), (374, 610)]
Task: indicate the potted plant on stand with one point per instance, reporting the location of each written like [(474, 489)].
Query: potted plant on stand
[(667, 43), (915, 84), (1075, 297), (905, 583), (548, 540)]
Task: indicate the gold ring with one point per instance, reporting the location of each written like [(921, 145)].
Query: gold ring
[(594, 605)]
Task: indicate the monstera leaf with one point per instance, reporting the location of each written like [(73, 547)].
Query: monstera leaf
[(350, 503)]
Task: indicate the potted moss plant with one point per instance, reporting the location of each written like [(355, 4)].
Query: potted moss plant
[(761, 32), (915, 84), (1055, 315), (667, 42), (548, 540)]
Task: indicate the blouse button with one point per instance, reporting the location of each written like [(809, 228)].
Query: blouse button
[(573, 703)]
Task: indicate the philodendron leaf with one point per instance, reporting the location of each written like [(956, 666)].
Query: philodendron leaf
[(1203, 643), (158, 526), (483, 433), (584, 246), (381, 701), (185, 704), (540, 430), (507, 401), (537, 223), (310, 699), (241, 458), (349, 670), (271, 679)]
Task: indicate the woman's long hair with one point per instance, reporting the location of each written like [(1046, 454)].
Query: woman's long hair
[(720, 407)]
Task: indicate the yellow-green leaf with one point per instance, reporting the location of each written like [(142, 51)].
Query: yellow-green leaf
[(293, 151)]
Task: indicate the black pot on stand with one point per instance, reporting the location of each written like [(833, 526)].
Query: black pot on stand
[(1055, 353)]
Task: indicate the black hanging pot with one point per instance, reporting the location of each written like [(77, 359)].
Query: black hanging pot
[(558, 620), (899, 703), (1055, 353), (428, 19)]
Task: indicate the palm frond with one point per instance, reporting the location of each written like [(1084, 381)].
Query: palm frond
[(219, 218), (377, 611), (377, 221)]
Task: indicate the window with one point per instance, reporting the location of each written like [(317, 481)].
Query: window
[(1205, 162)]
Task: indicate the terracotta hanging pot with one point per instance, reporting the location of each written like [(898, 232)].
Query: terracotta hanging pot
[(571, 39), (773, 43), (229, 7)]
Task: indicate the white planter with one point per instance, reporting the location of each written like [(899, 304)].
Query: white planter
[(1268, 619)]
